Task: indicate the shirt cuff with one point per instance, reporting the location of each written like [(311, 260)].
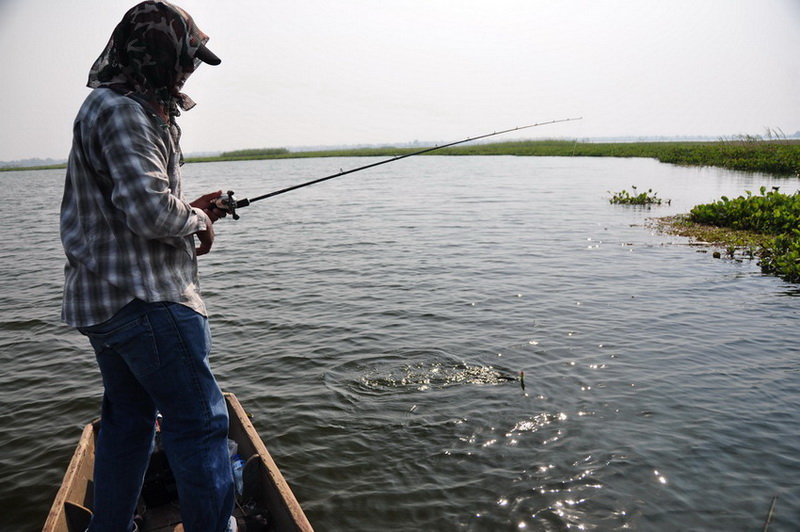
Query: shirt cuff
[(203, 221)]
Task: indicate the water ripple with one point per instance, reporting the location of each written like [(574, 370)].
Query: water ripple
[(376, 327)]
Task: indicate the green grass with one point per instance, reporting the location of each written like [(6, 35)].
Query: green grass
[(20, 168), (779, 157), (754, 154), (772, 156)]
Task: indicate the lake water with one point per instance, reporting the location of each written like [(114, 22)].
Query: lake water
[(374, 326)]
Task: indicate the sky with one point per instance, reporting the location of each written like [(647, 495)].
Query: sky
[(350, 72)]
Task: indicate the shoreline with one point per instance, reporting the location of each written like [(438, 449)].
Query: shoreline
[(752, 154)]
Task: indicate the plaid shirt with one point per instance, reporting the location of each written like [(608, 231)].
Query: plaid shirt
[(125, 227)]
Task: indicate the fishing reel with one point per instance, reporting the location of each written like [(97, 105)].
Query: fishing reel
[(228, 202)]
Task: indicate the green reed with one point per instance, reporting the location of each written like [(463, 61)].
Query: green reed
[(771, 155)]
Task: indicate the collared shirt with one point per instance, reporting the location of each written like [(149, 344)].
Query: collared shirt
[(126, 229)]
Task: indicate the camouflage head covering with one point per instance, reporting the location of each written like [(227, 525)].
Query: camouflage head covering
[(151, 53)]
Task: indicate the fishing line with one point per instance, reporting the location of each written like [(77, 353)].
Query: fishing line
[(770, 514), (229, 203)]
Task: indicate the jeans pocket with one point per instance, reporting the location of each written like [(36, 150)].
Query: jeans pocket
[(134, 342)]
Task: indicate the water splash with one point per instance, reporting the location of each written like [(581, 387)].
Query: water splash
[(434, 375)]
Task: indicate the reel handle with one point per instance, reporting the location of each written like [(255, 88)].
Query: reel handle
[(228, 202)]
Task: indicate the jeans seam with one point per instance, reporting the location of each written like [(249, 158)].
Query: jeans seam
[(186, 359)]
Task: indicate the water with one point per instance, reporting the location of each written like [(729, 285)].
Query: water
[(374, 325)]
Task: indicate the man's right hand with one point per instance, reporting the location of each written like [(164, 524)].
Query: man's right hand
[(206, 238)]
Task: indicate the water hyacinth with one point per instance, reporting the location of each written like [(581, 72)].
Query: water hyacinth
[(770, 213), (644, 198)]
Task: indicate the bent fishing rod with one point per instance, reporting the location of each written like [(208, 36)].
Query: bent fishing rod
[(229, 203)]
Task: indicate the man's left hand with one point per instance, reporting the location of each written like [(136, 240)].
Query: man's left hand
[(207, 203)]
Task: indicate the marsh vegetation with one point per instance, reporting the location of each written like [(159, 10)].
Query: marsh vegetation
[(766, 226), (770, 154)]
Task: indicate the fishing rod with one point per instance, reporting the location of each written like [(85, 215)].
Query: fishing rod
[(229, 203)]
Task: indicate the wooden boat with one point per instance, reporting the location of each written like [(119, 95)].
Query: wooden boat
[(266, 503)]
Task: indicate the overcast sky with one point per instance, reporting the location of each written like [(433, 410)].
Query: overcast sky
[(341, 72)]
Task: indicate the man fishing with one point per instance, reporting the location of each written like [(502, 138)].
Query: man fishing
[(131, 279)]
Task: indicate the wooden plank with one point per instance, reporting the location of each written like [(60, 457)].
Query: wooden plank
[(284, 509), (76, 487)]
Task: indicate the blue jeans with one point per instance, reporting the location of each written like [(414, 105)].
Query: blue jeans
[(154, 358)]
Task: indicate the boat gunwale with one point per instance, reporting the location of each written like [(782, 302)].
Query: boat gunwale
[(282, 504)]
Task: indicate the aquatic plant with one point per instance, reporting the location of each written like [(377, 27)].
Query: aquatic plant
[(772, 214), (623, 197), (782, 257)]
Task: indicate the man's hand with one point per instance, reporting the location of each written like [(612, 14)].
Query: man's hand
[(206, 239), (207, 205)]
